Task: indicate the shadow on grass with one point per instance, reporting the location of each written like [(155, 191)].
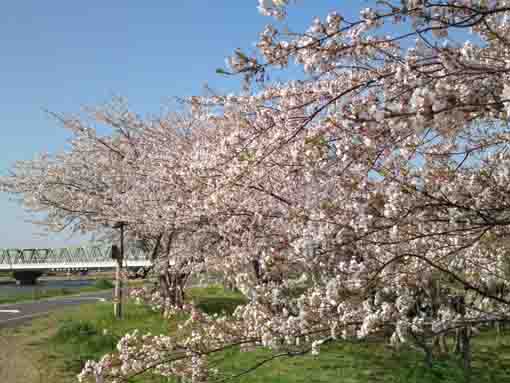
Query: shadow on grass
[(216, 300), (216, 305)]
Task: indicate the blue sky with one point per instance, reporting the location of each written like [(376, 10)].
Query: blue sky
[(63, 55)]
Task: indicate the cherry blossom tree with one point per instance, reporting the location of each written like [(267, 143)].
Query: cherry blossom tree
[(380, 175), (120, 176), (366, 198)]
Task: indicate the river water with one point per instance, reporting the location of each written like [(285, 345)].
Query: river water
[(10, 288)]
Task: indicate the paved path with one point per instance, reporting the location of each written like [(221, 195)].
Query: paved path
[(18, 313)]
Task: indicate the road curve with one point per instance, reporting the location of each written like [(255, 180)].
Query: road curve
[(17, 313)]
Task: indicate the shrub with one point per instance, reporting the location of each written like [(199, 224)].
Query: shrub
[(76, 331), (103, 284)]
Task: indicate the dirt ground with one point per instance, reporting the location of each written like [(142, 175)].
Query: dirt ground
[(19, 363), (15, 364)]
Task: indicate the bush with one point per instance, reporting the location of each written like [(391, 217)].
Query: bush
[(103, 284), (74, 331)]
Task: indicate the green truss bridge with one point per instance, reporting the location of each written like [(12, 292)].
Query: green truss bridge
[(32, 262)]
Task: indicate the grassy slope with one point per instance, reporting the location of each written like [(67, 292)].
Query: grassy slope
[(79, 334)]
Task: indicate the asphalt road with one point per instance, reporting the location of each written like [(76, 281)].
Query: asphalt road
[(17, 313)]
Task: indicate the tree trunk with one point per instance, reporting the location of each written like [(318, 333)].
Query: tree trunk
[(458, 341), (117, 306), (178, 282), (172, 287), (228, 284), (466, 352), (440, 345), (257, 269)]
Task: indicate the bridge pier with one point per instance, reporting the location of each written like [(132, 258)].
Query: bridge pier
[(26, 277)]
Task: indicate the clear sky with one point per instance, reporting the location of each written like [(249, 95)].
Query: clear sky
[(63, 55)]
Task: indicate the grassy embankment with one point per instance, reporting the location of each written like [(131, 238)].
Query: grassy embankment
[(38, 293), (62, 342)]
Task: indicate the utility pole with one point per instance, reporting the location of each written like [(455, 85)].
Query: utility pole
[(118, 255)]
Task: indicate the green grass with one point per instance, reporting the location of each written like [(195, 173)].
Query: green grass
[(367, 362), (96, 332), (59, 344), (88, 332), (84, 334), (41, 293)]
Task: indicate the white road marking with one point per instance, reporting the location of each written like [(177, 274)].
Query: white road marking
[(85, 298), (9, 311), (26, 316)]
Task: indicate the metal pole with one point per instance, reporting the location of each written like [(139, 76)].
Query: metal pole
[(120, 263), (117, 306)]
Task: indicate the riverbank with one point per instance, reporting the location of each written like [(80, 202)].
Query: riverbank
[(6, 276), (57, 346)]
